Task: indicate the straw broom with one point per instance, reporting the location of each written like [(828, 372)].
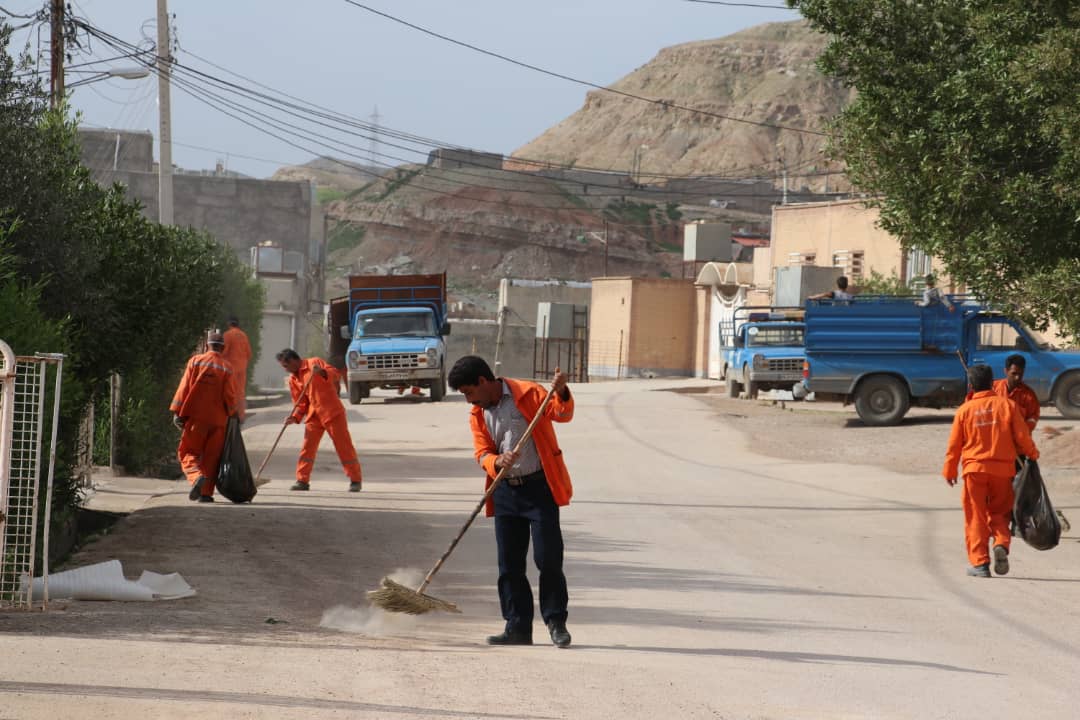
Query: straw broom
[(395, 597)]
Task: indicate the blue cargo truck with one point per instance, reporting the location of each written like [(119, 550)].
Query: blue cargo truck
[(394, 326), (886, 354), (762, 349)]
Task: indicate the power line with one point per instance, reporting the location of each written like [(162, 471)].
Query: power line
[(739, 4), (586, 83)]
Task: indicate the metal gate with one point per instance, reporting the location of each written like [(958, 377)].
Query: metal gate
[(23, 389)]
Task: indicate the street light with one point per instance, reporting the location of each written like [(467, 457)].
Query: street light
[(121, 73)]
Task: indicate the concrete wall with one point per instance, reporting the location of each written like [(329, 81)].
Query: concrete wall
[(609, 327), (523, 297), (477, 337), (117, 150), (454, 158), (826, 229)]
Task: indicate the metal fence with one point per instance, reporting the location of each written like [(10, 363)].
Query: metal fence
[(24, 385)]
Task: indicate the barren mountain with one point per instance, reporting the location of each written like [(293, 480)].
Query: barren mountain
[(761, 77), (325, 172)]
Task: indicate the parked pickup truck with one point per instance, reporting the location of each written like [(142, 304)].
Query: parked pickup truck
[(394, 326), (762, 349), (886, 354)]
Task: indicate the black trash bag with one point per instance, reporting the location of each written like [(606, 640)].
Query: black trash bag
[(1036, 521), (234, 475)]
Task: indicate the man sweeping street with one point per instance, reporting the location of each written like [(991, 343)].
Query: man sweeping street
[(988, 434), (320, 408), (201, 407), (527, 501)]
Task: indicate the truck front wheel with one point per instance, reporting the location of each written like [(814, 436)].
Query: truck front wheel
[(438, 389), (882, 400), (356, 393), (1067, 396)]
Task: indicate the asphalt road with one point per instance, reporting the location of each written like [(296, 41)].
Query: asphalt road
[(705, 582)]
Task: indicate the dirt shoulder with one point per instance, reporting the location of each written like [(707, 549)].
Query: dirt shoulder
[(832, 433)]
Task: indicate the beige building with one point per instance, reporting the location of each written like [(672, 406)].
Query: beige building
[(845, 235), (642, 327)]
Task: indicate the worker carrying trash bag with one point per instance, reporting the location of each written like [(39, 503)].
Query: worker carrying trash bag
[(988, 434)]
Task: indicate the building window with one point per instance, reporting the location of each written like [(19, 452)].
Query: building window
[(851, 262), (802, 258)]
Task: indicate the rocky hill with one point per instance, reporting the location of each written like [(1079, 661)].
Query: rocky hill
[(482, 224), (765, 74)]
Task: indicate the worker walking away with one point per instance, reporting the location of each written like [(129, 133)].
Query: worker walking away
[(207, 396), (1012, 386), (238, 353), (321, 409), (527, 501), (988, 434)]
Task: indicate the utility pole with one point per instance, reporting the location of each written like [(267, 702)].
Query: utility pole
[(605, 246), (56, 56), (374, 147), (164, 60)]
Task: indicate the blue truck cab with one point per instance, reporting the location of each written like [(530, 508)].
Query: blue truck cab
[(762, 349), (395, 327), (886, 354)]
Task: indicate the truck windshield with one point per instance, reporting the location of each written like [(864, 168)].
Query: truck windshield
[(774, 336), (418, 324)]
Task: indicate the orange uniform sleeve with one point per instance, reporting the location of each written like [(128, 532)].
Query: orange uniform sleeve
[(182, 390), (295, 386), (483, 444), (1031, 409), (1022, 434), (955, 447)]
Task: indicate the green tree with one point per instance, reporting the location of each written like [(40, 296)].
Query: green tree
[(966, 131)]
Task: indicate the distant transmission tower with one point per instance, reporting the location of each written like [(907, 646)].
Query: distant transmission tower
[(373, 151)]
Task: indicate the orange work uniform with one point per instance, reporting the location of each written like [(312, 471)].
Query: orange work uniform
[(988, 433), (321, 409), (528, 396), (206, 397), (238, 354), (1024, 397)]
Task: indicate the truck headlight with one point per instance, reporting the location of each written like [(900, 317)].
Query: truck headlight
[(760, 363), (433, 357), (356, 359)]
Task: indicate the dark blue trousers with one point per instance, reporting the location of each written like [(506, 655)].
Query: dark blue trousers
[(522, 512)]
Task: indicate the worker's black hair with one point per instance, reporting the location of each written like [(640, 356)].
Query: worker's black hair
[(841, 282), (980, 377), (468, 371), (1018, 360), (287, 354)]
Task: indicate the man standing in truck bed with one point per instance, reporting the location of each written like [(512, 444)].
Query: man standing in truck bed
[(314, 385), (988, 434)]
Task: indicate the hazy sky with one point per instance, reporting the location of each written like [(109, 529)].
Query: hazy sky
[(338, 56)]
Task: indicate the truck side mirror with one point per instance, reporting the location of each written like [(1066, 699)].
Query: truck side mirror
[(344, 332), (445, 329)]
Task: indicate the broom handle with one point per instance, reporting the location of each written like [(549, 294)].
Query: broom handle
[(489, 492), (283, 426)]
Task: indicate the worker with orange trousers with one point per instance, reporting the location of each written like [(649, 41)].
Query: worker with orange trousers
[(238, 354), (201, 407), (1012, 386), (526, 502), (988, 434), (314, 386)]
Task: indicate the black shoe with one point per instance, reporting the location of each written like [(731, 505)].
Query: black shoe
[(196, 489), (1000, 554), (299, 486), (506, 637), (206, 498), (559, 634), (355, 486), (982, 571)]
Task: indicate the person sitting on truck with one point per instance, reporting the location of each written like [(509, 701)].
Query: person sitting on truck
[(933, 296), (988, 434), (1012, 386), (313, 384), (840, 294)]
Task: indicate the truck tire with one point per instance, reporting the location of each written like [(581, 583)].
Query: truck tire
[(752, 388), (356, 393), (734, 388), (438, 389), (882, 400), (1067, 396)]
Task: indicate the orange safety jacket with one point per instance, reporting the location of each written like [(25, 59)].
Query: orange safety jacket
[(321, 399), (987, 435), (1024, 397), (208, 392), (237, 349), (528, 396)]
